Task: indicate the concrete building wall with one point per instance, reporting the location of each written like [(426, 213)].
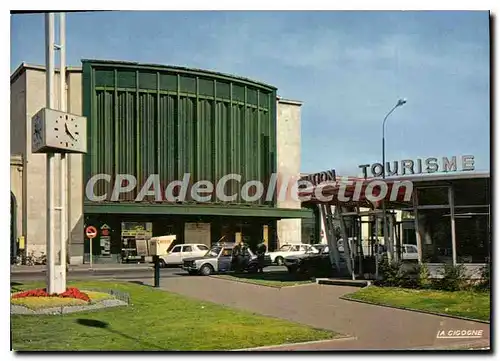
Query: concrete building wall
[(18, 115), (288, 159), (32, 79), (28, 97), (18, 147), (75, 173)]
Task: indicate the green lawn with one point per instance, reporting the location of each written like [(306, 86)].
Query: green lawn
[(466, 304), (273, 279), (155, 320)]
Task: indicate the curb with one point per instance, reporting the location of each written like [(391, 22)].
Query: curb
[(259, 284), (84, 270), (326, 281), (345, 298), (263, 348)]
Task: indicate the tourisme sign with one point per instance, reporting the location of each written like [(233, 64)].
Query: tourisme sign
[(420, 166)]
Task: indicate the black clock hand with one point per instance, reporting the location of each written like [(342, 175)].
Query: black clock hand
[(68, 132)]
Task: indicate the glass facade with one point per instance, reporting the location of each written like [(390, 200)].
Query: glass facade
[(311, 227), (466, 220), (448, 211)]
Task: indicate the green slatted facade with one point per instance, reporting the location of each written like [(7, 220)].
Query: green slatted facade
[(145, 119)]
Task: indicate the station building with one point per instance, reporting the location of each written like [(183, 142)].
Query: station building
[(447, 218), (151, 119)]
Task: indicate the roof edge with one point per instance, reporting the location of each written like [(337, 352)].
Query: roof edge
[(179, 68), (289, 101), (25, 66)]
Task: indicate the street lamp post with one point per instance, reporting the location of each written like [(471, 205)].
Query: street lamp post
[(400, 103)]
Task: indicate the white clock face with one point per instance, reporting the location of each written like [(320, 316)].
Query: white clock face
[(70, 133)]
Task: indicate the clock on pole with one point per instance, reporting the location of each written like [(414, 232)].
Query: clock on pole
[(54, 131)]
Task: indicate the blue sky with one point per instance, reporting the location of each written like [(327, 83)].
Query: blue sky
[(349, 69)]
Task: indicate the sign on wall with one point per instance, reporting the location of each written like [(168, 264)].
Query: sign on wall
[(320, 177), (462, 163)]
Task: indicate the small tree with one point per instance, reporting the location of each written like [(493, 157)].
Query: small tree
[(454, 278), (390, 272), (485, 282)]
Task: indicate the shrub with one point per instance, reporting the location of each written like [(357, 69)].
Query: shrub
[(484, 284), (454, 278), (390, 272), (414, 276), (424, 280)]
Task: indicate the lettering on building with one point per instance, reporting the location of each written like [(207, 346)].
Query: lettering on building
[(464, 163), (321, 177)]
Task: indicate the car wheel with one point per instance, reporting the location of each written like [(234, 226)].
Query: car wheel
[(280, 261), (206, 270), (292, 269), (252, 269), (163, 264)]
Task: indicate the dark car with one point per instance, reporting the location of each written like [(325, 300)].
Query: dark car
[(311, 262)]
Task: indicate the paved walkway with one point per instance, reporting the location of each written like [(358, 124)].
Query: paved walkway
[(371, 327)]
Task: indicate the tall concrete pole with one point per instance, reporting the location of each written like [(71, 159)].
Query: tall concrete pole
[(389, 245), (49, 97), (63, 175)]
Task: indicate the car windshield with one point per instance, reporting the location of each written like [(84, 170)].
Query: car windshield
[(285, 247), (313, 249), (214, 251)]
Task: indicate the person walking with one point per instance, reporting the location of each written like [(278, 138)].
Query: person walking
[(261, 251)]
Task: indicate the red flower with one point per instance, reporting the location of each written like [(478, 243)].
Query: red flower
[(71, 292)]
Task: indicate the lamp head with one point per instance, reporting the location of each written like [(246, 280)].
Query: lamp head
[(401, 102)]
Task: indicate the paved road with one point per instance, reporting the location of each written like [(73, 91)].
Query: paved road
[(99, 274), (125, 272), (372, 327)]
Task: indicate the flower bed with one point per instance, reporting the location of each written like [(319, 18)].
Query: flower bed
[(71, 292)]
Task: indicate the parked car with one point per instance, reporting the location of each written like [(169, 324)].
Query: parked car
[(293, 260), (224, 257), (180, 252), (409, 252), (311, 262), (278, 257)]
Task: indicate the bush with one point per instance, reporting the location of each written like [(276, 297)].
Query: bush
[(484, 284), (390, 272), (414, 276), (454, 278), (424, 279)]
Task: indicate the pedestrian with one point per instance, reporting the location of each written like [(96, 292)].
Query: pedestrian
[(261, 252), (236, 259)]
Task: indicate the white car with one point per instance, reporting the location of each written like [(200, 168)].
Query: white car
[(278, 257), (409, 252), (177, 254)]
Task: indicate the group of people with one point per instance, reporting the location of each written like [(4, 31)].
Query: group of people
[(241, 256)]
